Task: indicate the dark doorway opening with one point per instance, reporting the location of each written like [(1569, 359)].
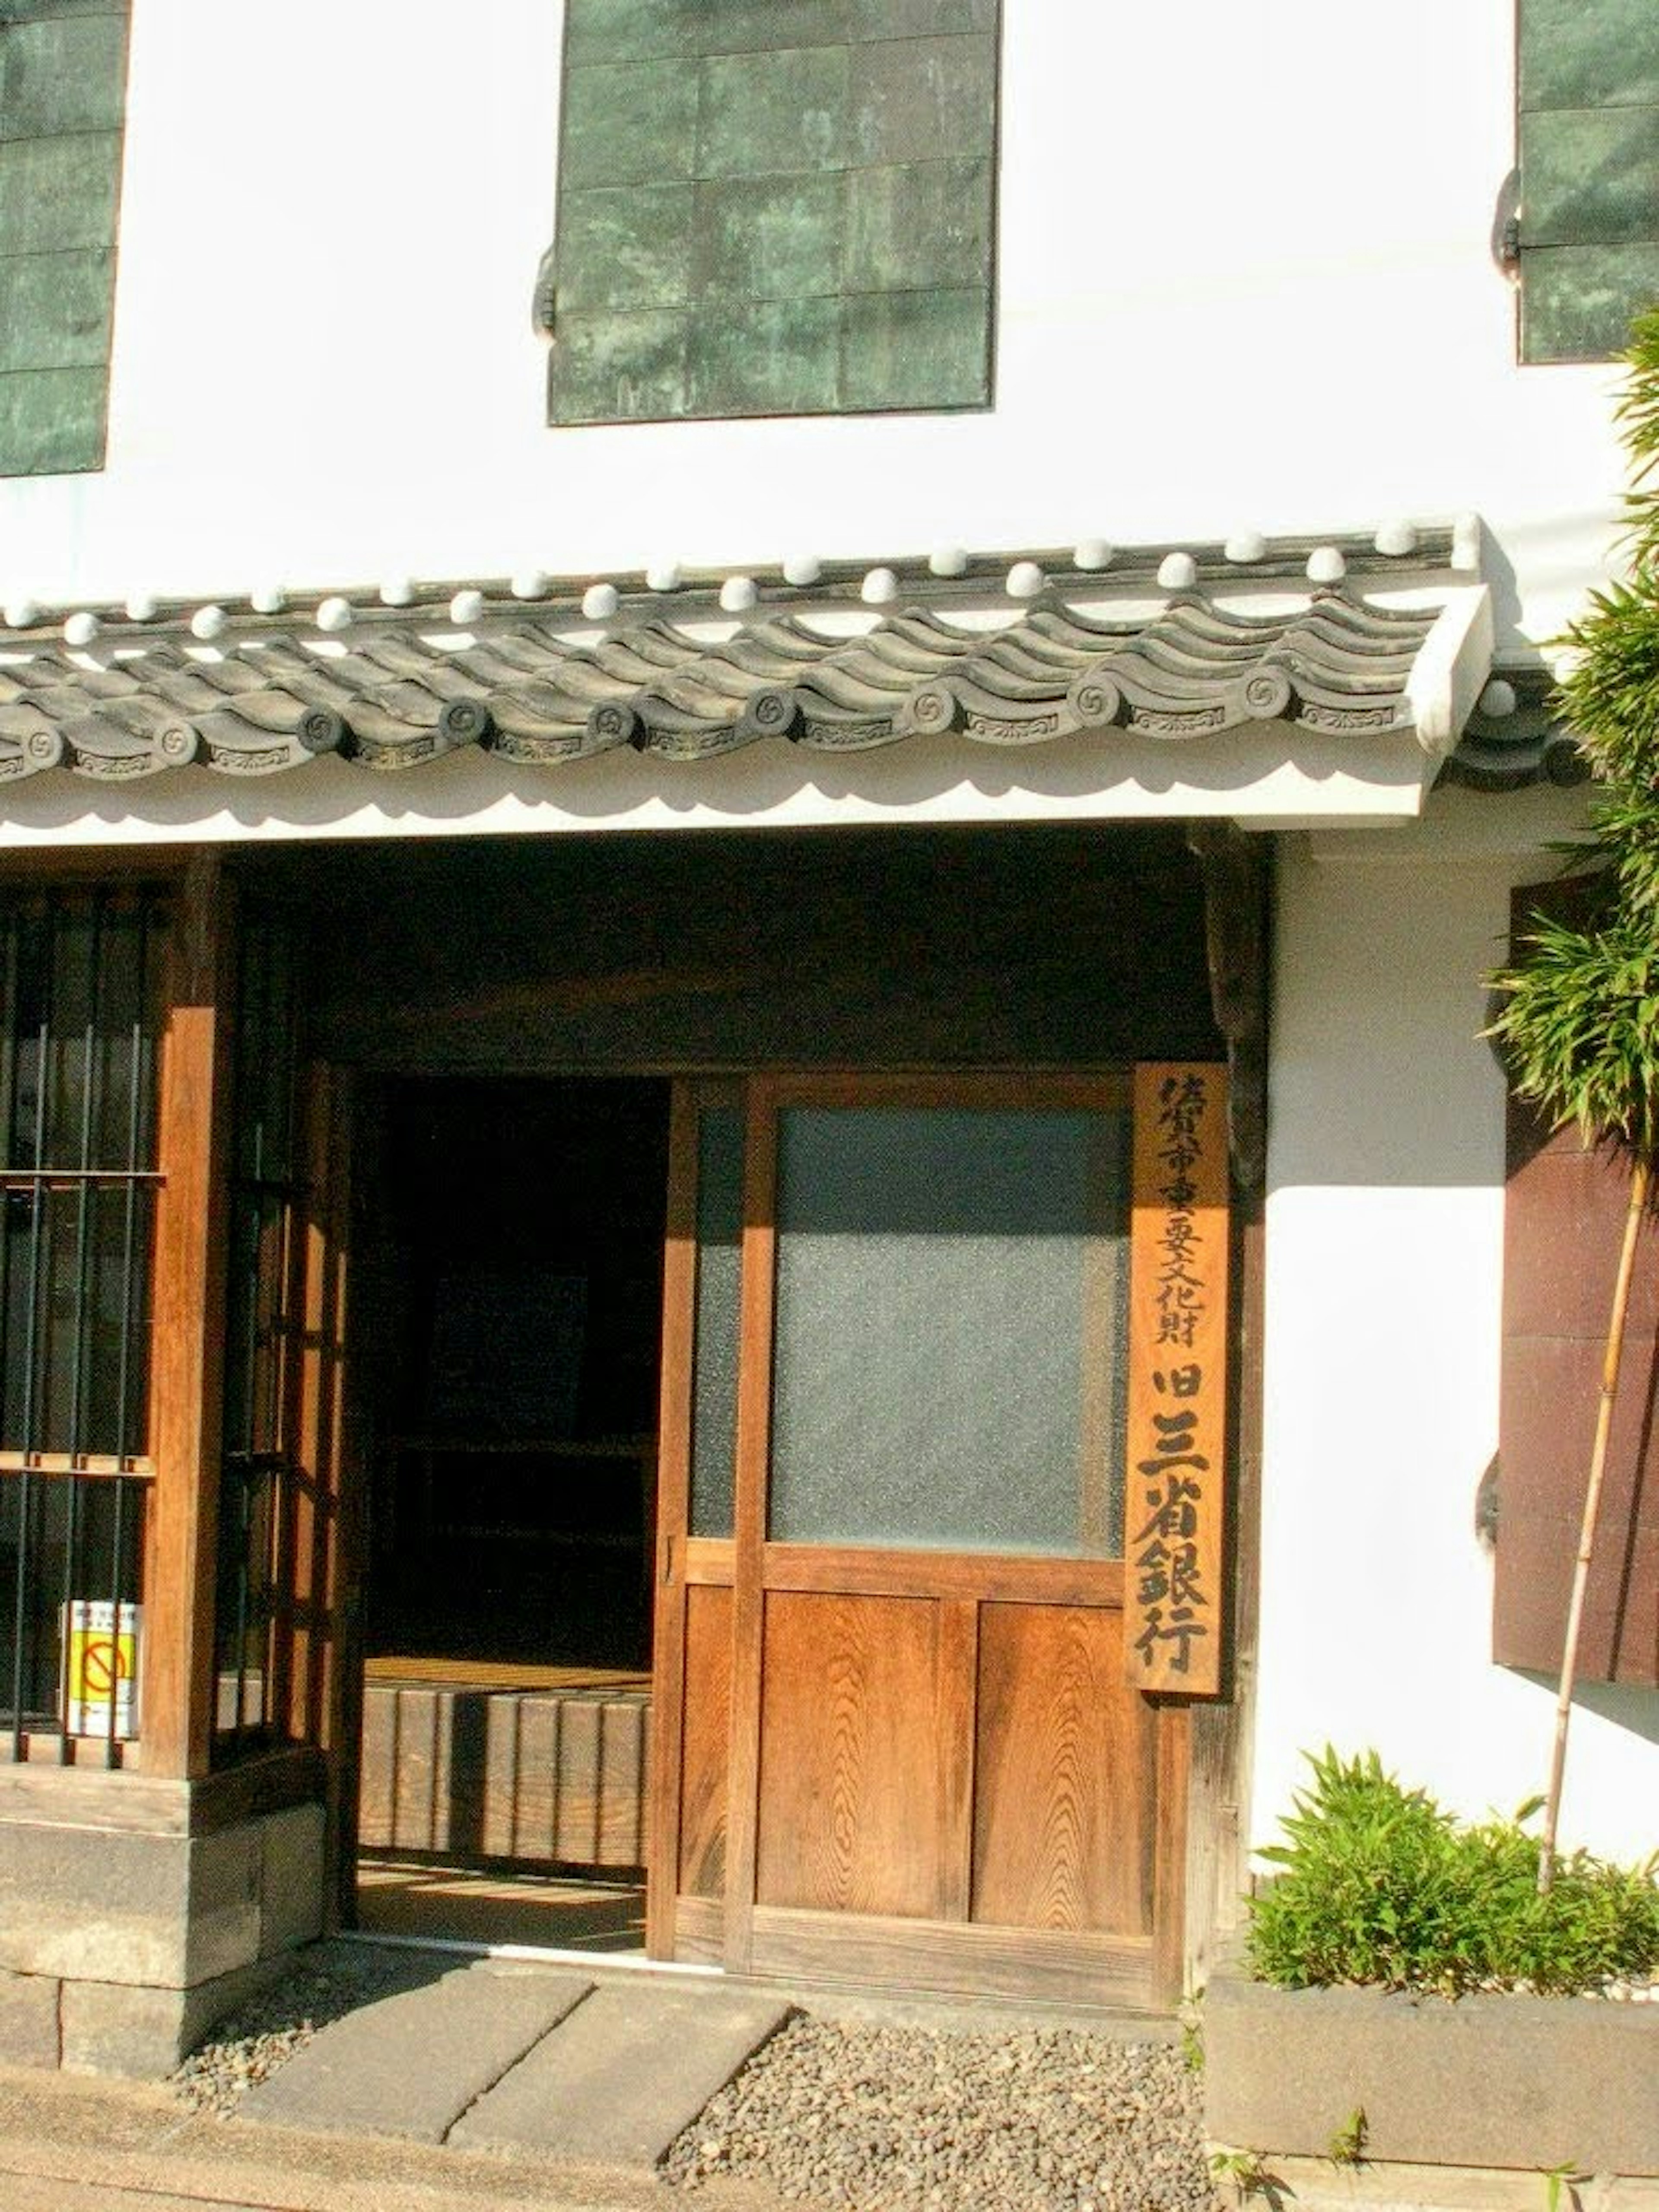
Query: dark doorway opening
[(509, 1363)]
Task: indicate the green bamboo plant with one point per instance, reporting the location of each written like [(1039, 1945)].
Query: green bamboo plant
[(1579, 1013)]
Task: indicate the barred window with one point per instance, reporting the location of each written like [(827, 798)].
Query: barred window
[(80, 997), (82, 994), (254, 1622)]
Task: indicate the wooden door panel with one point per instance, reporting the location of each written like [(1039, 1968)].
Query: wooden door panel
[(903, 1762), (704, 1741), (850, 1801), (1065, 1770), (1034, 1963)]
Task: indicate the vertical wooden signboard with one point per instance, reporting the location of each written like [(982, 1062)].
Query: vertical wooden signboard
[(1174, 1495)]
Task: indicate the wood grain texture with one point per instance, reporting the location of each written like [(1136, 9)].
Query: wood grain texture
[(538, 1777), (698, 1849), (129, 1802), (754, 1442), (850, 1754), (699, 1931), (1064, 1809), (186, 1369), (710, 1559), (956, 1693), (315, 1698), (972, 1576), (1077, 1969), (1180, 1267)]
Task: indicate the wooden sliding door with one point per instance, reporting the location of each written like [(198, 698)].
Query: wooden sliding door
[(897, 1740)]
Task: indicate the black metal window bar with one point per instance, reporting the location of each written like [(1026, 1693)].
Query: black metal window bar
[(80, 1017), (254, 1623)]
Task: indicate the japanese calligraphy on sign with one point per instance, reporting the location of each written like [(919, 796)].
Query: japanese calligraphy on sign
[(1177, 1398)]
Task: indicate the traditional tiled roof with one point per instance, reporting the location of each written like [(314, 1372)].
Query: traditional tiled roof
[(1514, 738), (1180, 645)]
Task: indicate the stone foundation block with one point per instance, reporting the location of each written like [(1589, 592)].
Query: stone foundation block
[(111, 2028), (90, 1905), (131, 1918), (1485, 2082), (28, 2020), (293, 1867)]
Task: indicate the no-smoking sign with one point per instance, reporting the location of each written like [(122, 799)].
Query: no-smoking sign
[(101, 1666)]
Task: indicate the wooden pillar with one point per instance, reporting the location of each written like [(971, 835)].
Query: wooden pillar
[(1237, 870), (176, 1717)]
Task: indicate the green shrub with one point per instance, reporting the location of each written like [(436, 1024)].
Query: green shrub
[(1378, 1885)]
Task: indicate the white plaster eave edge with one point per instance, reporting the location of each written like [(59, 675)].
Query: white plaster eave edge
[(1452, 667)]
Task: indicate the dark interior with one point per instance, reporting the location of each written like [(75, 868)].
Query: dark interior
[(514, 1338)]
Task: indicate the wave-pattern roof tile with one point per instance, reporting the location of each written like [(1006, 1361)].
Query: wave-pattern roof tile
[(674, 676)]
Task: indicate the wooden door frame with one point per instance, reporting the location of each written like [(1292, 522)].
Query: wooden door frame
[(751, 1566)]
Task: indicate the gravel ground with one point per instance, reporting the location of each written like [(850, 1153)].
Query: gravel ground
[(1046, 2120), (842, 2113)]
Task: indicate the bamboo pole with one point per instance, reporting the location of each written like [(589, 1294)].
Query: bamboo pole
[(1611, 1358)]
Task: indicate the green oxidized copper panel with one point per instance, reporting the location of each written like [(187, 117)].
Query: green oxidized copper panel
[(57, 194), (918, 19), (1588, 53), (620, 367), (770, 238), (51, 420), (923, 100), (835, 150), (776, 357), (634, 123), (1591, 176), (64, 75), (754, 26), (62, 67), (634, 30), (1577, 301), (1589, 173), (54, 310), (782, 114), (629, 246), (908, 350), (918, 225)]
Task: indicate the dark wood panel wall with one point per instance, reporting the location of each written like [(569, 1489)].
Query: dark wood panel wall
[(743, 950), (1563, 1218)]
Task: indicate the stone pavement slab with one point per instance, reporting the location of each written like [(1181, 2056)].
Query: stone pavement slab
[(410, 2064), (623, 2074)]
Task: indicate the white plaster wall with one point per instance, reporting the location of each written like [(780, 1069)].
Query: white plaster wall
[(1384, 1249), (1244, 279)]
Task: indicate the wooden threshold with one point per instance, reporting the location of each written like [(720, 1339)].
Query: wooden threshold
[(1039, 1965), (435, 1671), (1114, 1970)]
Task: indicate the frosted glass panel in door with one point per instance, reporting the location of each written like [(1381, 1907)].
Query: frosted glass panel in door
[(715, 1390), (949, 1318)]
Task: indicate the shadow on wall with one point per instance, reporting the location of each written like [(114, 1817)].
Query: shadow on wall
[(1628, 1705)]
